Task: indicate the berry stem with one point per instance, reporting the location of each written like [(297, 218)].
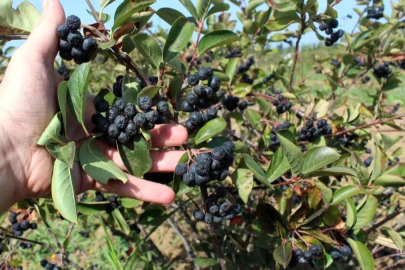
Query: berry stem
[(95, 15), (211, 230)]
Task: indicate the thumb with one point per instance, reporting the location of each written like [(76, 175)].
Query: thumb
[(43, 39)]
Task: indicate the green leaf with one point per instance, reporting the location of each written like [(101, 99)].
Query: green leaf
[(179, 35), (243, 179), (264, 105), (106, 95), (389, 141), (278, 167), (257, 170), (242, 89), (366, 213), (190, 7), (379, 163), (177, 184), (51, 134), (149, 91), (345, 193), (77, 92), (396, 237), (91, 209), (326, 192), (62, 100), (105, 3), (126, 9), (129, 202), (291, 151), (363, 254), (351, 214), (281, 20), (333, 171), (149, 49), (284, 5), (283, 254), (135, 156), (97, 165), (175, 87), (387, 180), (169, 15), (65, 153), (231, 68), (218, 7), (63, 191), (17, 21), (205, 262), (317, 158), (120, 220), (210, 129), (130, 89), (269, 218), (216, 39), (392, 83), (112, 254), (104, 17), (202, 9)]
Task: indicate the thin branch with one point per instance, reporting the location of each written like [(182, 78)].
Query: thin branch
[(190, 252), (394, 264), (13, 37), (297, 48), (48, 247), (123, 58), (194, 58), (94, 12), (385, 220), (211, 230), (53, 235)]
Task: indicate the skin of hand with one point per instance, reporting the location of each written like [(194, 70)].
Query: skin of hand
[(28, 101)]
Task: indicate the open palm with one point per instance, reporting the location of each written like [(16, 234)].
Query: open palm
[(28, 102)]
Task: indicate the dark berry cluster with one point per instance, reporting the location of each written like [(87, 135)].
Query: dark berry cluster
[(49, 266), (328, 28), (24, 245), (218, 211), (245, 66), (208, 167), (310, 132), (209, 57), (347, 139), (304, 258), (339, 253), (367, 162), (281, 103), (392, 162), (383, 70), (289, 42), (20, 227), (114, 202), (336, 63), (72, 44), (190, 57), (84, 234), (197, 119), (349, 16), (64, 72), (401, 64), (230, 103), (358, 62), (375, 12), (269, 78), (233, 53), (246, 79), (123, 121), (365, 79), (274, 141)]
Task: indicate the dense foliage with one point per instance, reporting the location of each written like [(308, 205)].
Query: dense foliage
[(275, 175)]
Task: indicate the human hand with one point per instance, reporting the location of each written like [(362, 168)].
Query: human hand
[(28, 101)]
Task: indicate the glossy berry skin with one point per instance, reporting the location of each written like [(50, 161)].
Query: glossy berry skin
[(218, 153), (120, 105), (131, 129), (130, 110), (302, 261), (62, 31), (334, 23), (213, 209), (66, 55), (102, 105), (121, 122), (195, 118), (145, 103), (114, 131), (140, 120), (78, 53), (123, 138), (298, 253), (346, 251), (209, 92), (73, 22), (189, 179), (112, 114), (336, 255), (204, 74), (211, 113), (152, 116), (215, 83), (201, 179), (199, 90), (34, 226), (308, 255), (43, 262), (186, 107), (163, 107), (316, 250), (190, 126), (368, 162), (198, 215), (75, 38), (89, 44), (323, 27), (181, 169), (192, 98), (65, 45), (230, 145), (208, 218), (25, 225), (193, 80)]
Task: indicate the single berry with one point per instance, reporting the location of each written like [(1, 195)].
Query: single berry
[(302, 261), (219, 153), (66, 55), (223, 175), (201, 179), (198, 215), (209, 92), (192, 98), (215, 83), (120, 105), (308, 255), (102, 105), (25, 225), (213, 209), (181, 169), (117, 90), (131, 129), (113, 131), (336, 255), (49, 266), (43, 262), (75, 38), (145, 103), (140, 120), (346, 250), (298, 253), (230, 214), (203, 74), (195, 118), (112, 114), (217, 219), (323, 27), (34, 226), (73, 22), (152, 116), (121, 122), (208, 218), (62, 31), (186, 107), (163, 107), (65, 45), (334, 23), (190, 126), (243, 105), (189, 179), (18, 233), (89, 44), (211, 113), (130, 110), (193, 80), (199, 90), (123, 138)]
